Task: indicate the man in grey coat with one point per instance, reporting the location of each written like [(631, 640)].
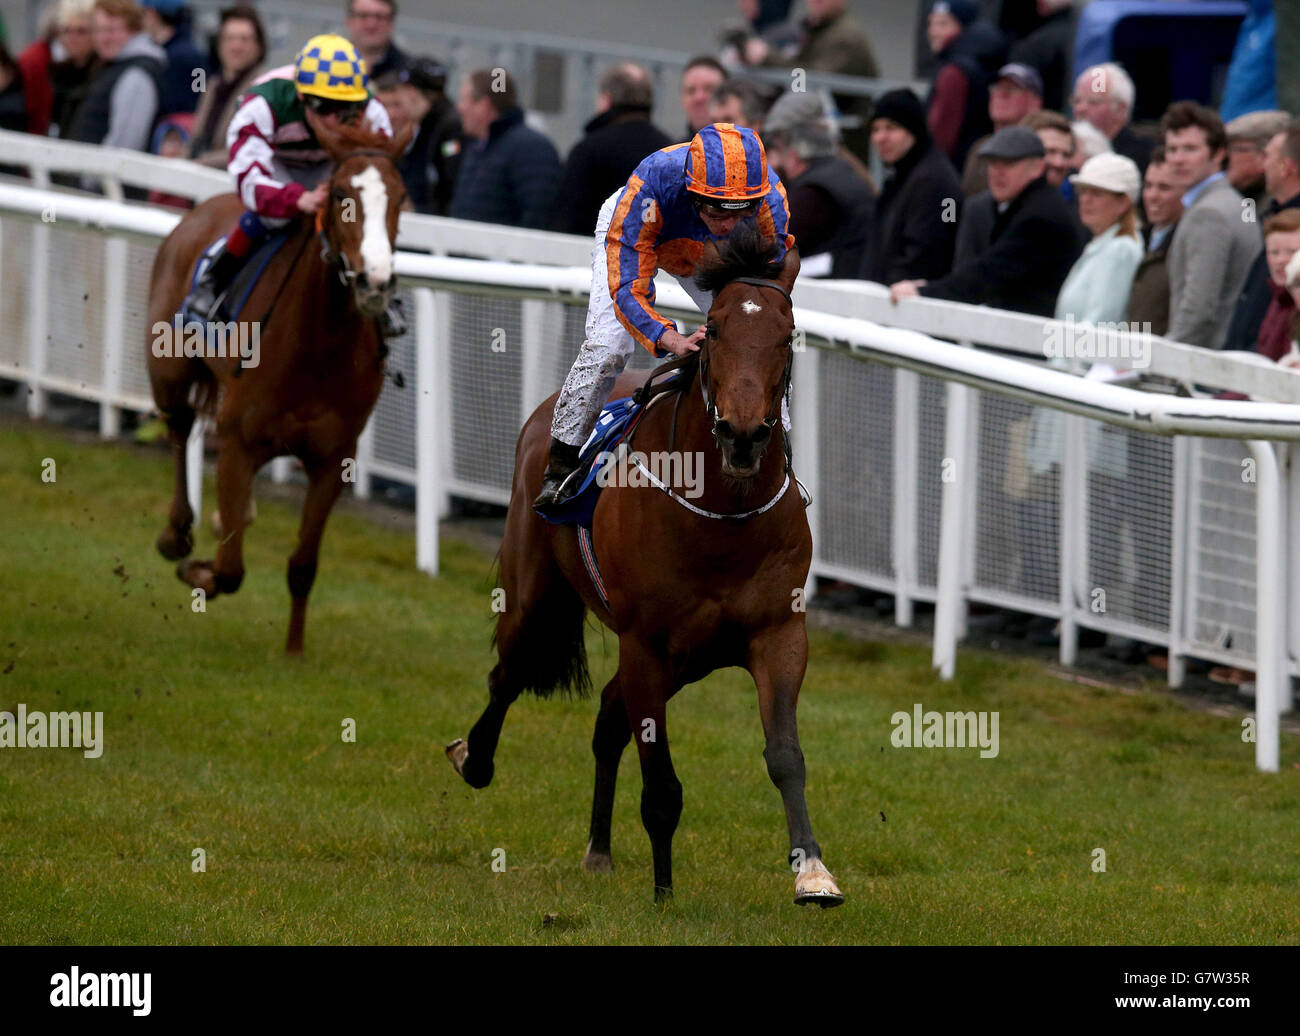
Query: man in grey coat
[(1217, 238)]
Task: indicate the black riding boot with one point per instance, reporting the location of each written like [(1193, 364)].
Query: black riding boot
[(563, 461), (215, 279)]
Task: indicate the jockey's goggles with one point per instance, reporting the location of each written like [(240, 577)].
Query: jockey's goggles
[(345, 110), (723, 209)]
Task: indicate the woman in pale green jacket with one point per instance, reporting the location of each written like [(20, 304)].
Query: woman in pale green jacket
[(1095, 292), (1097, 287)]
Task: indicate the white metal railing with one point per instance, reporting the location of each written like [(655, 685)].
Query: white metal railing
[(933, 404)]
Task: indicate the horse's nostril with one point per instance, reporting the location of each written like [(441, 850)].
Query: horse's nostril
[(761, 435), (724, 430)]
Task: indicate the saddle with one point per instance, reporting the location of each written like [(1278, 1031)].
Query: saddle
[(239, 289), (617, 423)]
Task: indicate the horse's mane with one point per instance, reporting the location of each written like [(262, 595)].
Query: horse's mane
[(359, 138), (745, 253)]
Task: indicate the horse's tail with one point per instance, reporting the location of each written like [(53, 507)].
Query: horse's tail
[(543, 649)]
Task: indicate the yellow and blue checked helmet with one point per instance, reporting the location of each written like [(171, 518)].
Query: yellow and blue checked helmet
[(329, 66), (727, 165)]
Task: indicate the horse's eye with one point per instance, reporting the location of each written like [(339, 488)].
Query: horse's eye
[(710, 330), (340, 194)]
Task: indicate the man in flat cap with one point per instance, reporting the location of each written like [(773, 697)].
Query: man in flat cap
[(1248, 136), (1033, 244)]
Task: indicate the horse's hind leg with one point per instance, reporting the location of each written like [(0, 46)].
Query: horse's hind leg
[(539, 646), (607, 744), (474, 757), (777, 661)]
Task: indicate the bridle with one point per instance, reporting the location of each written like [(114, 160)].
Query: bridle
[(328, 255), (710, 406)]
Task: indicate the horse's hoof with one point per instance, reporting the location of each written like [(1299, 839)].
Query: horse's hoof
[(597, 863), (815, 884), (174, 544), (198, 574), (458, 752)]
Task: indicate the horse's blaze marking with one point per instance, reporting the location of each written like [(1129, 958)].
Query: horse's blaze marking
[(751, 307), (376, 253)]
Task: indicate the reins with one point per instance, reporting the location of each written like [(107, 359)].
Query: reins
[(688, 366)]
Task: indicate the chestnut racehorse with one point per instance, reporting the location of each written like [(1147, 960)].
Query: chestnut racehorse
[(693, 585), (321, 359)]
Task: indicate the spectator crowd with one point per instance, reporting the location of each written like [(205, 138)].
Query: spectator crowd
[(1007, 184)]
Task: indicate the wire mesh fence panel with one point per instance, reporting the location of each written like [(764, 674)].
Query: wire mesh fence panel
[(137, 336), (486, 372), (1221, 592), (1017, 515), (393, 420), (855, 441), (15, 301), (932, 468), (75, 343), (1129, 528)]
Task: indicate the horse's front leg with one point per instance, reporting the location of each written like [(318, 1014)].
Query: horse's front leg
[(778, 657), (646, 685)]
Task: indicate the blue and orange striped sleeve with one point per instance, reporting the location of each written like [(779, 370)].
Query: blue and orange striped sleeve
[(632, 259), (774, 216)]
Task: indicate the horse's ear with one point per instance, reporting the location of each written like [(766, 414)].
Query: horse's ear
[(329, 139), (397, 145), (790, 270)]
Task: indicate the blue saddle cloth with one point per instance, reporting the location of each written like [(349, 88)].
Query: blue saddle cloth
[(241, 286), (611, 427)]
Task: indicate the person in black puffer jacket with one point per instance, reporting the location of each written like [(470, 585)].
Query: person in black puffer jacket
[(615, 142), (915, 225), (968, 53), (509, 172)]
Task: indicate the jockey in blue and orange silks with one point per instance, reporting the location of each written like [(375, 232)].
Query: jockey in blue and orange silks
[(674, 201)]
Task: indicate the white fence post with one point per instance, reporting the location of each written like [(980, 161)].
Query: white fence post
[(1272, 684), (428, 448), (947, 607), (114, 321)]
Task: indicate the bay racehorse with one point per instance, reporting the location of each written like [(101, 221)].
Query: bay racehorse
[(320, 367), (692, 585)]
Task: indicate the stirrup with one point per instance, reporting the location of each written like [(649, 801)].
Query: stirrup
[(555, 489)]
